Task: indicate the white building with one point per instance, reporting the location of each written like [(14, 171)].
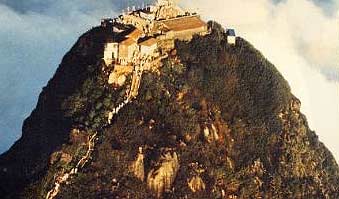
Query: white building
[(122, 50), (111, 52), (148, 47), (231, 37), (147, 15)]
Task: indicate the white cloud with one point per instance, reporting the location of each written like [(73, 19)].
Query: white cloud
[(34, 35), (302, 41), (31, 47)]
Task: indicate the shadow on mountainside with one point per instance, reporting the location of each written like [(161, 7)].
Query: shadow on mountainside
[(225, 110)]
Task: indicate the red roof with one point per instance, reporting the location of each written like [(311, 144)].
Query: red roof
[(128, 42), (184, 23), (135, 34)]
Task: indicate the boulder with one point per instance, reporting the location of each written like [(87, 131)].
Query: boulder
[(161, 178), (137, 167), (196, 184)]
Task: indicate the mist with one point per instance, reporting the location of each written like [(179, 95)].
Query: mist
[(299, 37), (34, 36)]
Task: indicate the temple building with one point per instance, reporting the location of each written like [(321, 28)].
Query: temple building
[(124, 48), (148, 47), (142, 32), (111, 51), (182, 28)]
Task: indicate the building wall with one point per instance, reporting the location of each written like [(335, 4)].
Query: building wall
[(231, 39), (184, 34), (188, 34), (131, 49), (111, 52), (147, 16), (148, 50), (166, 44), (123, 51), (122, 69), (126, 52)]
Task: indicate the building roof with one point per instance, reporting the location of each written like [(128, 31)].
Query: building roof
[(149, 42), (128, 42), (184, 23), (135, 34), (230, 32)]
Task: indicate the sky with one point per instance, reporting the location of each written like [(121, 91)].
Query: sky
[(299, 37)]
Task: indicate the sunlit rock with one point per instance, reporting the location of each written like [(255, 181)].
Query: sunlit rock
[(161, 178)]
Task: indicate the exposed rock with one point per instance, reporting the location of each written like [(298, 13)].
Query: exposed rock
[(215, 135), (78, 137), (121, 80), (151, 124), (295, 105), (137, 166), (66, 158), (210, 133), (55, 157), (230, 163), (257, 168), (161, 178), (196, 184), (116, 79), (260, 146), (206, 133)]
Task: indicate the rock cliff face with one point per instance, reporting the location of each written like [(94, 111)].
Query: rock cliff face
[(216, 121)]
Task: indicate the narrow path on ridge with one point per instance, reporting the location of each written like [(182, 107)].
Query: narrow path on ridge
[(81, 163), (132, 94)]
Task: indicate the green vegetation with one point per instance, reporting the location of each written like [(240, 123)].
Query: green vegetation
[(90, 103), (263, 148), (240, 92)]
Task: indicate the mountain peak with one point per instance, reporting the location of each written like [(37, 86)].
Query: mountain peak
[(157, 103)]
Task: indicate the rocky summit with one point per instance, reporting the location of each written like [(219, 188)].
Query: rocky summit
[(201, 115)]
